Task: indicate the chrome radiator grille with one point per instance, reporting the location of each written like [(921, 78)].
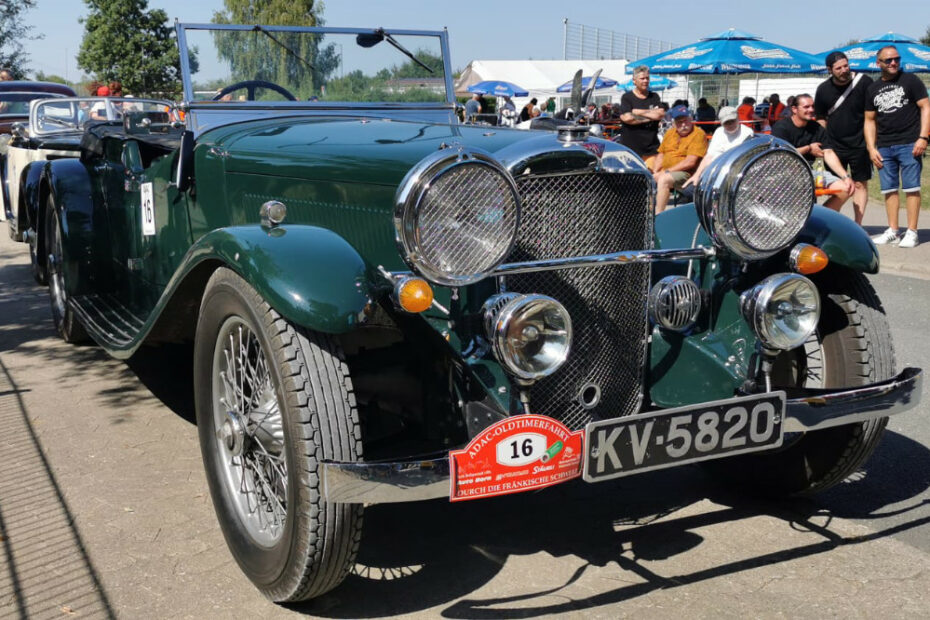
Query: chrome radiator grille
[(577, 215)]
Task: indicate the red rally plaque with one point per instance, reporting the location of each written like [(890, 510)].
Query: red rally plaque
[(516, 454)]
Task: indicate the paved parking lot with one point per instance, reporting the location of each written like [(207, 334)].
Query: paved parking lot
[(104, 512)]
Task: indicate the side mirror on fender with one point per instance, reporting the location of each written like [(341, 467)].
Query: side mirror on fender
[(184, 173)]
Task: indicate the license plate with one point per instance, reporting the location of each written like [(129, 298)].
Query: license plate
[(671, 437)]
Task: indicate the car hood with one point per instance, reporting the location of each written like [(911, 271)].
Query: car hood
[(374, 151)]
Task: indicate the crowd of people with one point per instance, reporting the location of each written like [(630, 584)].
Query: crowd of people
[(852, 124)]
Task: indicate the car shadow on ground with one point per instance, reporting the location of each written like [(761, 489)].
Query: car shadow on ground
[(418, 556)]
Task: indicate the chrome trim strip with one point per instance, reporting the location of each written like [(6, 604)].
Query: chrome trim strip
[(381, 483), (826, 408), (386, 483), (602, 260)]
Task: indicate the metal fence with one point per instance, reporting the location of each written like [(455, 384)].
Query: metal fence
[(580, 42)]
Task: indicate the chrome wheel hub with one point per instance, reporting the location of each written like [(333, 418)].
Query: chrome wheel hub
[(249, 432)]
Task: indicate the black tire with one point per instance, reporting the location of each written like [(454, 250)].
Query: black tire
[(39, 272), (313, 549), (66, 323), (853, 342)]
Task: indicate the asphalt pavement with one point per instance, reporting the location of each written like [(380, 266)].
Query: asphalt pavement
[(104, 511)]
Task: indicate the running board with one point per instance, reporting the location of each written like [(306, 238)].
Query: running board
[(106, 319)]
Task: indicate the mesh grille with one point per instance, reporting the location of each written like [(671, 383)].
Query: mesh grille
[(773, 199), (575, 215), (466, 220)]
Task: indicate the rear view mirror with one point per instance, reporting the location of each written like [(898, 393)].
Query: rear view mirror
[(370, 39)]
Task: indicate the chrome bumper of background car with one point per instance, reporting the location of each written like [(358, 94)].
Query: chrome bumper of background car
[(410, 481)]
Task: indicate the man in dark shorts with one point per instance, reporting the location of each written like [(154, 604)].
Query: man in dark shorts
[(897, 129), (802, 131), (640, 113), (840, 107)]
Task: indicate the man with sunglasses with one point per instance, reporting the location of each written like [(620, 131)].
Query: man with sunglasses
[(897, 130)]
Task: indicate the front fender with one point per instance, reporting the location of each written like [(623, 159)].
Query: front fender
[(310, 275), (30, 195), (844, 241), (69, 186)]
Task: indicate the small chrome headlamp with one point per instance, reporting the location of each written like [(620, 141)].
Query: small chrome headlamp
[(755, 198), (456, 216), (782, 309), (530, 334)]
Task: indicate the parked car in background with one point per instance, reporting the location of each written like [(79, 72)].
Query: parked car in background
[(386, 305), (54, 130), (15, 97)]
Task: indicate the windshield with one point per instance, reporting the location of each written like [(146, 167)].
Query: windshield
[(17, 104), (62, 115), (269, 64)]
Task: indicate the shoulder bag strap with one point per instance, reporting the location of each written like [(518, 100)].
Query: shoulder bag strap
[(845, 94)]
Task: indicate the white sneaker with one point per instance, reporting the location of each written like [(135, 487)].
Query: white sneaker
[(909, 240), (889, 236)]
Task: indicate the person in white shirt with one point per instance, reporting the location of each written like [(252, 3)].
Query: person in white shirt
[(730, 134)]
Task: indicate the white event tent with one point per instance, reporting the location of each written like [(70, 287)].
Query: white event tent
[(540, 77)]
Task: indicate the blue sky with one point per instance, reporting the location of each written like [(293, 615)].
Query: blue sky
[(508, 29)]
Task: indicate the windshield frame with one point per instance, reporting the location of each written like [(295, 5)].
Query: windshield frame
[(190, 103)]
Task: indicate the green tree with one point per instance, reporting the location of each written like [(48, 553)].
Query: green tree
[(926, 38), (51, 77), (125, 41), (13, 32), (299, 62)]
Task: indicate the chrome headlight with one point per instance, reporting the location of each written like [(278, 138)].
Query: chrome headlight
[(783, 310), (531, 334), (456, 216), (755, 198)]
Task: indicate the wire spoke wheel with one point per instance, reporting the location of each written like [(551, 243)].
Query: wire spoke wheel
[(274, 401), (250, 432)]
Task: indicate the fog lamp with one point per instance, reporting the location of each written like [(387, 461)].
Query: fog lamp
[(531, 336), (783, 310)]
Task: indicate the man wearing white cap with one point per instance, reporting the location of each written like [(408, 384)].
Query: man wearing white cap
[(730, 133)]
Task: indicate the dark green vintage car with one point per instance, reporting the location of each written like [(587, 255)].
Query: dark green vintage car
[(387, 305)]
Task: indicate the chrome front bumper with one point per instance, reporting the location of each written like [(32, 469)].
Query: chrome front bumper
[(410, 481)]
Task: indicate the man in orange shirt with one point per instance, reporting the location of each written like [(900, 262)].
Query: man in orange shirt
[(679, 155), (776, 107)]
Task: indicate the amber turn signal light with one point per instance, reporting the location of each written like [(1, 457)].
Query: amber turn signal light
[(413, 294), (807, 259)]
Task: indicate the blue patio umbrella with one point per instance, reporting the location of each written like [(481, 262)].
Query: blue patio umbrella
[(602, 82), (497, 88), (915, 57), (656, 82), (731, 51)]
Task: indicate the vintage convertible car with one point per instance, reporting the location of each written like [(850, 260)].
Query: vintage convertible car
[(386, 305), (54, 130), (15, 97)]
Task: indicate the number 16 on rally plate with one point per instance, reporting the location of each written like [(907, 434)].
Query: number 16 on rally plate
[(517, 454)]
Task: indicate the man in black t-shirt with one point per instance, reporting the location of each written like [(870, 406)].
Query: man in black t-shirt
[(897, 129), (640, 113), (809, 138), (840, 107)]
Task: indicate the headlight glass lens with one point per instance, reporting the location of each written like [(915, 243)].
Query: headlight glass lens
[(754, 199), (458, 219), (532, 336), (784, 310), (773, 200)]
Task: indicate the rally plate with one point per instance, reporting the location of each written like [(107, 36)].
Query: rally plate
[(671, 437)]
